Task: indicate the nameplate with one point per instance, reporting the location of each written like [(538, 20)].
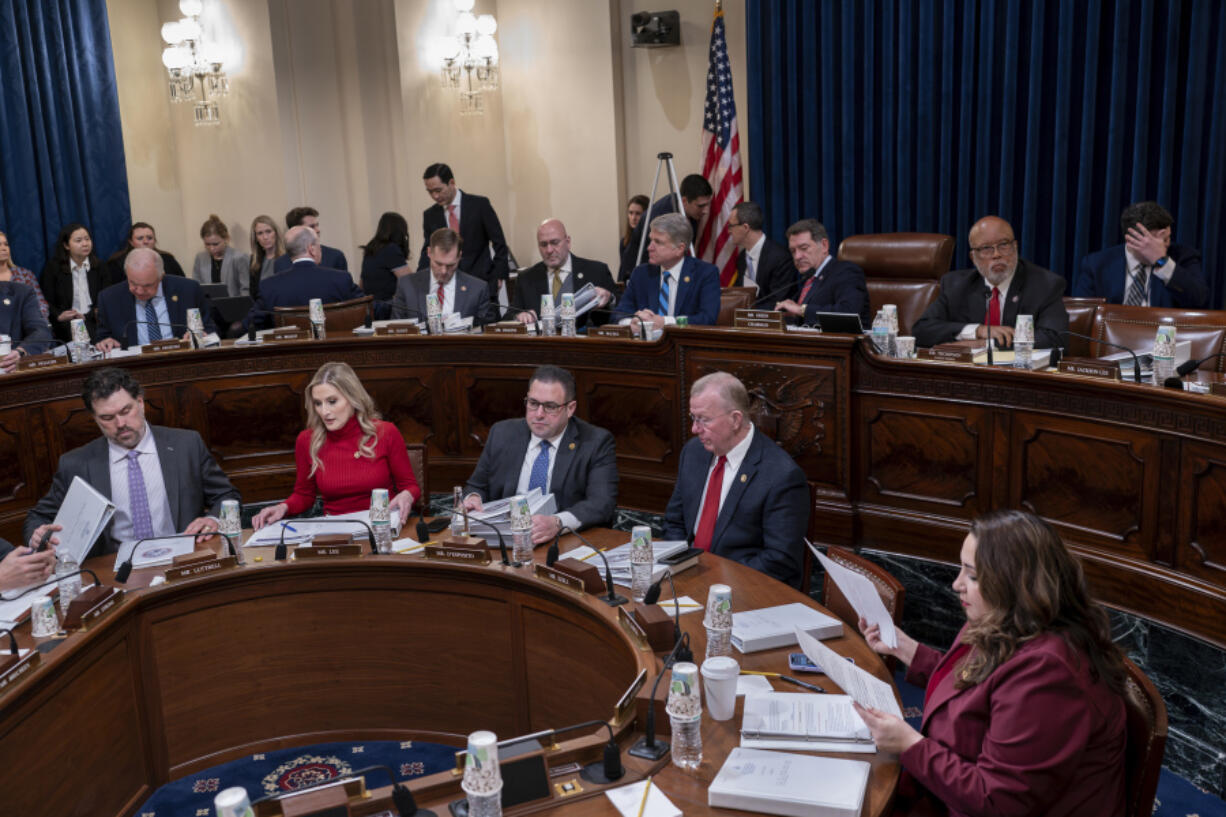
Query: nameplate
[(624, 709), (451, 553), (758, 319), (1090, 367), (193, 557), (585, 572), (167, 345), (558, 577), (632, 628), (317, 551), (292, 333), (13, 671), (506, 328), (327, 539), (657, 625), (93, 603), (959, 355), (399, 329), (610, 331), (200, 568), (40, 362)]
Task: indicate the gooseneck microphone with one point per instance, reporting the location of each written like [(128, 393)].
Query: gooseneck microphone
[(423, 531), (648, 747), (1188, 366), (12, 641), (988, 324), (1136, 363), (280, 553), (552, 554), (125, 568), (612, 598), (58, 579)]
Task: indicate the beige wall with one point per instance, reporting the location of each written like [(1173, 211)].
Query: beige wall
[(334, 103)]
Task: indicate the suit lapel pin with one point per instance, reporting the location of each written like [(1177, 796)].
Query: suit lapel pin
[(463, 288), (174, 298), (579, 275), (744, 478), (686, 279), (7, 302), (1014, 298), (571, 446)]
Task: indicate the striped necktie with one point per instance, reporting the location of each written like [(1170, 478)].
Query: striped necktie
[(665, 281), (1137, 293), (153, 328)]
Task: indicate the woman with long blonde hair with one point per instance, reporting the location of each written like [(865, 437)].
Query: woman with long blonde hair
[(266, 245), (345, 452)]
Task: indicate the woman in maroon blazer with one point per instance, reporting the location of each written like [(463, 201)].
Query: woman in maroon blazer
[(1025, 714)]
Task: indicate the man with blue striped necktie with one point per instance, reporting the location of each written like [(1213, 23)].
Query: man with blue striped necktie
[(672, 284), (148, 306), (161, 480)]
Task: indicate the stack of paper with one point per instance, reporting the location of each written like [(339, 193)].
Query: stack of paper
[(302, 531), (453, 324), (799, 721), (496, 515), (771, 627), (585, 299), (155, 553), (861, 593), (619, 558), (865, 689), (788, 784)]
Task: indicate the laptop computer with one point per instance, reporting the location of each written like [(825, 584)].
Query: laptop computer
[(848, 322), (215, 291)]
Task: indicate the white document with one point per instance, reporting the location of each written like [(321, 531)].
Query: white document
[(83, 515), (790, 784), (771, 627), (628, 798), (409, 546), (864, 688), (12, 611), (496, 515), (800, 717), (686, 603), (862, 594), (619, 564), (301, 531), (585, 299), (158, 552), (753, 684)]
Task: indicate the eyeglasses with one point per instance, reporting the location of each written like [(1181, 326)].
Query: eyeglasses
[(548, 408), (705, 422), (989, 250)]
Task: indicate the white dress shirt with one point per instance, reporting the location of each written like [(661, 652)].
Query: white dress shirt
[(1134, 265), (447, 211), (569, 520), (81, 301), (968, 331), (448, 304), (753, 254), (732, 464), (155, 489)]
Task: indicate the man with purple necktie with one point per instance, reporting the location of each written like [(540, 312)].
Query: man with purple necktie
[(162, 481)]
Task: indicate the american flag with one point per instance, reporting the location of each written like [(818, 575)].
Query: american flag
[(721, 151)]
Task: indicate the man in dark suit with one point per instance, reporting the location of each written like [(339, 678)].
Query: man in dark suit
[(1147, 269), (999, 288), (671, 283), (825, 283), (737, 491), (474, 219), (329, 257), (162, 481), (307, 278), (553, 450), (149, 305), (457, 292), (23, 322), (558, 272), (761, 263), (695, 193)]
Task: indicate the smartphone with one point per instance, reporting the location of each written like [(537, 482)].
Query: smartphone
[(799, 662), (43, 542)]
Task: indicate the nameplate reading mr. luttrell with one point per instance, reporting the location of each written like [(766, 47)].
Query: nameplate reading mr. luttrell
[(200, 568)]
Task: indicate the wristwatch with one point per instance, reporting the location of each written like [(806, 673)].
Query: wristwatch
[(1161, 262)]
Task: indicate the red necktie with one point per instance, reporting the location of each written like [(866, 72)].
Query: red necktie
[(440, 298), (452, 221), (804, 293), (994, 308), (710, 508)]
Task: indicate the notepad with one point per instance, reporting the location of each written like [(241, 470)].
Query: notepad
[(628, 798), (771, 627), (801, 722), (789, 784)]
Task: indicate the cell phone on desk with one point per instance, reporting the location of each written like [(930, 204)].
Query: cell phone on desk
[(799, 662)]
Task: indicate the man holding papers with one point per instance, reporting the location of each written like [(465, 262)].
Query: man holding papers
[(737, 491), (560, 271), (553, 450), (161, 480)]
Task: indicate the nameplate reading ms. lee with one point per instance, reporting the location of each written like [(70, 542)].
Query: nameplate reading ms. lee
[(200, 568), (551, 575), (327, 551), (444, 553)]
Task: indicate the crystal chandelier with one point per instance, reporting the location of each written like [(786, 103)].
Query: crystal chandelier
[(470, 58), (193, 63)]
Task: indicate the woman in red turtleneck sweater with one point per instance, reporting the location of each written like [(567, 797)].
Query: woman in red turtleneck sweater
[(345, 452)]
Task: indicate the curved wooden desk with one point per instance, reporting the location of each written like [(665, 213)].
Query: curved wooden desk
[(900, 454), (200, 671)]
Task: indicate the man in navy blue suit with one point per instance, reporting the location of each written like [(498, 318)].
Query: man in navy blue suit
[(23, 321), (1147, 269), (330, 257), (737, 491), (471, 216), (671, 283), (306, 279), (148, 306), (825, 283)]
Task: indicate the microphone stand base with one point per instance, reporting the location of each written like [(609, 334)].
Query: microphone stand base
[(594, 773), (615, 601), (642, 750)]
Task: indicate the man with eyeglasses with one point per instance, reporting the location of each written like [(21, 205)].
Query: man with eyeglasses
[(738, 493), (1000, 287), (553, 450), (761, 263), (824, 283), (560, 271)]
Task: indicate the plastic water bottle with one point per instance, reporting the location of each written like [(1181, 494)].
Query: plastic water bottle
[(1164, 351), (549, 324), (521, 529), (318, 325), (891, 323), (642, 561), (70, 585), (881, 333), (1023, 341), (684, 709), (434, 324), (567, 311), (457, 511), (78, 346)]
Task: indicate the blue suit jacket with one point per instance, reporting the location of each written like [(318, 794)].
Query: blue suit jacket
[(330, 257), (840, 287), (22, 319), (117, 309), (763, 520), (697, 292), (304, 281), (1102, 275)]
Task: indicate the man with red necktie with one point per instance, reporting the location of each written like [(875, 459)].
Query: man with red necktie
[(471, 216), (739, 494), (826, 284), (1000, 287)]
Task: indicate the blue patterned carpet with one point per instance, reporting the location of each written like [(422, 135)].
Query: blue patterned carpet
[(290, 769)]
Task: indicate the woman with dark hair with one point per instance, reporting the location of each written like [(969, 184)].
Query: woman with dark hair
[(1025, 714), (72, 279), (9, 271), (635, 208), (141, 234), (385, 257)]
